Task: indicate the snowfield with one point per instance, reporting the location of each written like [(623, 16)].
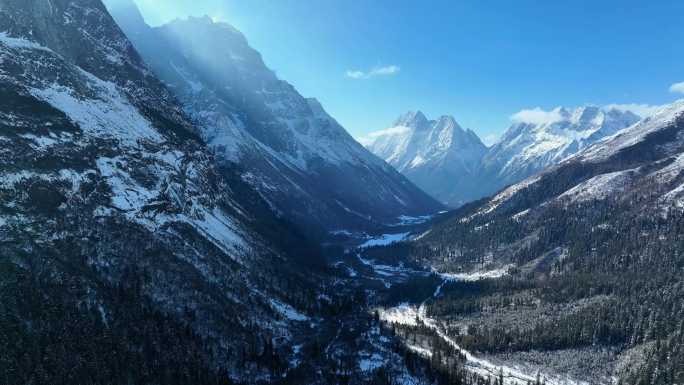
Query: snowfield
[(403, 314), (476, 275), (111, 115), (598, 187), (288, 311), (385, 239)]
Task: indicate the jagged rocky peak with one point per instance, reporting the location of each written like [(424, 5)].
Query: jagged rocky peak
[(447, 121), (625, 117), (447, 126), (208, 24), (586, 113), (438, 155), (414, 134), (218, 47), (414, 119)]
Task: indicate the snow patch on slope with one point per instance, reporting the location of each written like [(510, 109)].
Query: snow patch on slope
[(132, 199), (502, 197), (476, 275), (20, 43), (385, 239), (598, 187), (287, 311), (110, 115), (403, 314)]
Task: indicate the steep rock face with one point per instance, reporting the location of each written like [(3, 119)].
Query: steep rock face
[(527, 148), (112, 210), (437, 155), (298, 157)]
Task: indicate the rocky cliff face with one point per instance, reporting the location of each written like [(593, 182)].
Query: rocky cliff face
[(115, 219), (297, 156)]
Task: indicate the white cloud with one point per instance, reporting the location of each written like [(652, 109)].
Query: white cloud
[(643, 110), (537, 116), (377, 71), (365, 140), (356, 74), (677, 88), (490, 139), (371, 137), (541, 116)]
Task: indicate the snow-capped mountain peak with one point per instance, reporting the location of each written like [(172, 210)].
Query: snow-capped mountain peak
[(438, 155), (452, 164), (414, 119), (662, 117), (529, 146)]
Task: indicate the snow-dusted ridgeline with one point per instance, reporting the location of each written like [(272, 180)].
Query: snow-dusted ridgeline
[(453, 165), (300, 159)]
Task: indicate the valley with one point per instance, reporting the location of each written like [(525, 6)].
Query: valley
[(410, 312), (173, 212)]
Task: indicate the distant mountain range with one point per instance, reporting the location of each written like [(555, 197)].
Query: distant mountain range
[(454, 166)]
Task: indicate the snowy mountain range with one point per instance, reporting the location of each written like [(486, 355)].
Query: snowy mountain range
[(437, 155), (455, 167), (644, 160), (289, 149), (529, 147)]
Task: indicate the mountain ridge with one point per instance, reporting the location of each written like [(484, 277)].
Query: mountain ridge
[(121, 240), (476, 171), (297, 156)]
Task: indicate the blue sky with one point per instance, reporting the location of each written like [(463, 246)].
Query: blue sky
[(481, 61)]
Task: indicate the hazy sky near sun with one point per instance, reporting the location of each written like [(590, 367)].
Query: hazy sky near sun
[(481, 61)]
